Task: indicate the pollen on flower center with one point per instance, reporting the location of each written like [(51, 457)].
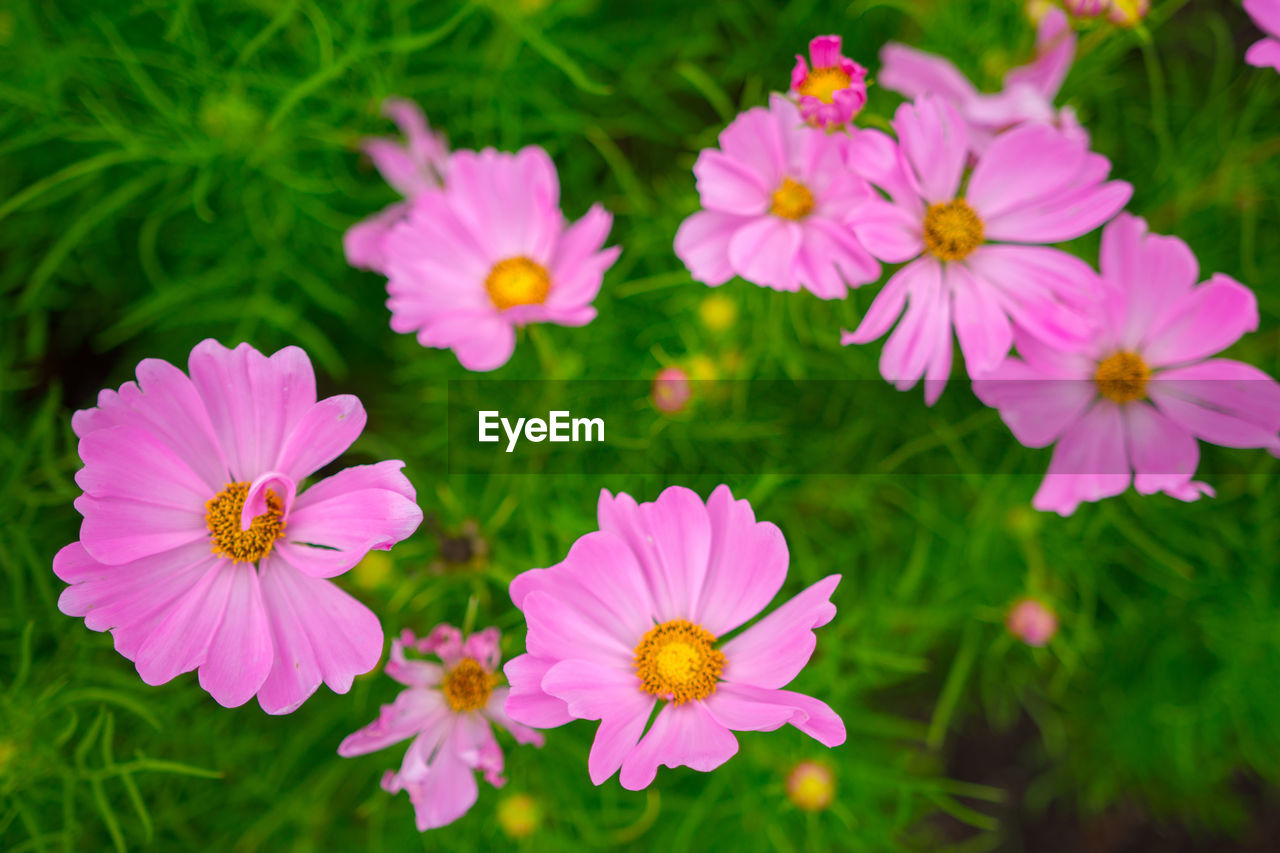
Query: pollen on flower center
[(792, 200), (517, 281), (467, 686), (952, 230), (678, 661), (1123, 377), (222, 516), (823, 83)]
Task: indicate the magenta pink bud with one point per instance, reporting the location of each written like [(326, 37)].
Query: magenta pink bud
[(671, 390), (1032, 622)]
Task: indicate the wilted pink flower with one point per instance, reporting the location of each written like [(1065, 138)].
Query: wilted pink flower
[(447, 710), (1033, 185), (1027, 97), (412, 168), (199, 547), (834, 90), (609, 645), (1266, 14), (491, 252), (775, 196), (1135, 396), (1032, 622), (671, 390)]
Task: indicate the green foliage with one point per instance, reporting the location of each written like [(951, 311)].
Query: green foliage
[(171, 171)]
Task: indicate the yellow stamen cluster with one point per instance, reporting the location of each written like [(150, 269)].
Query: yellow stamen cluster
[(467, 686), (222, 516), (678, 661), (517, 281), (823, 83), (792, 200), (1123, 377), (952, 230)]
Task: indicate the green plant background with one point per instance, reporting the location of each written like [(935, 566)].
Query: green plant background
[(171, 171)]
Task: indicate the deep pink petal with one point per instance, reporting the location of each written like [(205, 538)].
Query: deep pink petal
[(1221, 401), (680, 529), (240, 654), (924, 331), (320, 436), (1022, 165), (1264, 54), (560, 631), (809, 715), (1206, 321), (1266, 13), (923, 275), (1164, 455), (681, 735), (740, 713), (891, 232), (981, 324), (1150, 276), (180, 642), (934, 139), (1046, 292), (772, 652), (596, 691), (1037, 407), (130, 462), (116, 530)]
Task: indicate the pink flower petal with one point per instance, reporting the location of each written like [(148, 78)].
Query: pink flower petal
[(1264, 54), (925, 330), (981, 325), (579, 263), (702, 244), (924, 275), (1022, 165), (681, 735), (934, 139), (747, 565), (596, 691), (740, 713), (527, 703), (754, 139), (240, 654), (130, 462), (180, 642), (1206, 321), (336, 522), (413, 711), (254, 402), (1266, 13), (117, 531), (1045, 291), (809, 715), (320, 632), (1090, 462), (913, 73), (890, 232), (559, 630), (772, 652), (1164, 455), (444, 794), (680, 529), (496, 710), (764, 252), (1037, 407), (1221, 401), (320, 436), (1055, 51), (727, 186), (1149, 275)]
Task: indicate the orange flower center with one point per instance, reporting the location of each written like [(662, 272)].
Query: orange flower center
[(952, 230), (792, 200), (678, 661), (222, 517), (467, 686), (1123, 377), (823, 83), (517, 281)]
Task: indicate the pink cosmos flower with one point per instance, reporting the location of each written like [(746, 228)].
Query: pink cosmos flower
[(1029, 90), (671, 390), (1266, 14), (490, 252), (199, 547), (1124, 13), (1033, 185), (834, 90), (1136, 395), (414, 168), (635, 615), (447, 710), (775, 196)]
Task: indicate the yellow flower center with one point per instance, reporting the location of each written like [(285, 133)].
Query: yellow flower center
[(222, 516), (823, 83), (467, 686), (792, 200), (678, 661), (517, 281), (1123, 377), (952, 230)]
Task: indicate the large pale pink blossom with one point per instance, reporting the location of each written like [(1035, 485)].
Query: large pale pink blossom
[(491, 252), (1128, 405), (775, 197), (200, 546), (1266, 14), (1027, 97), (414, 167), (834, 90), (973, 249), (448, 710), (635, 617)]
